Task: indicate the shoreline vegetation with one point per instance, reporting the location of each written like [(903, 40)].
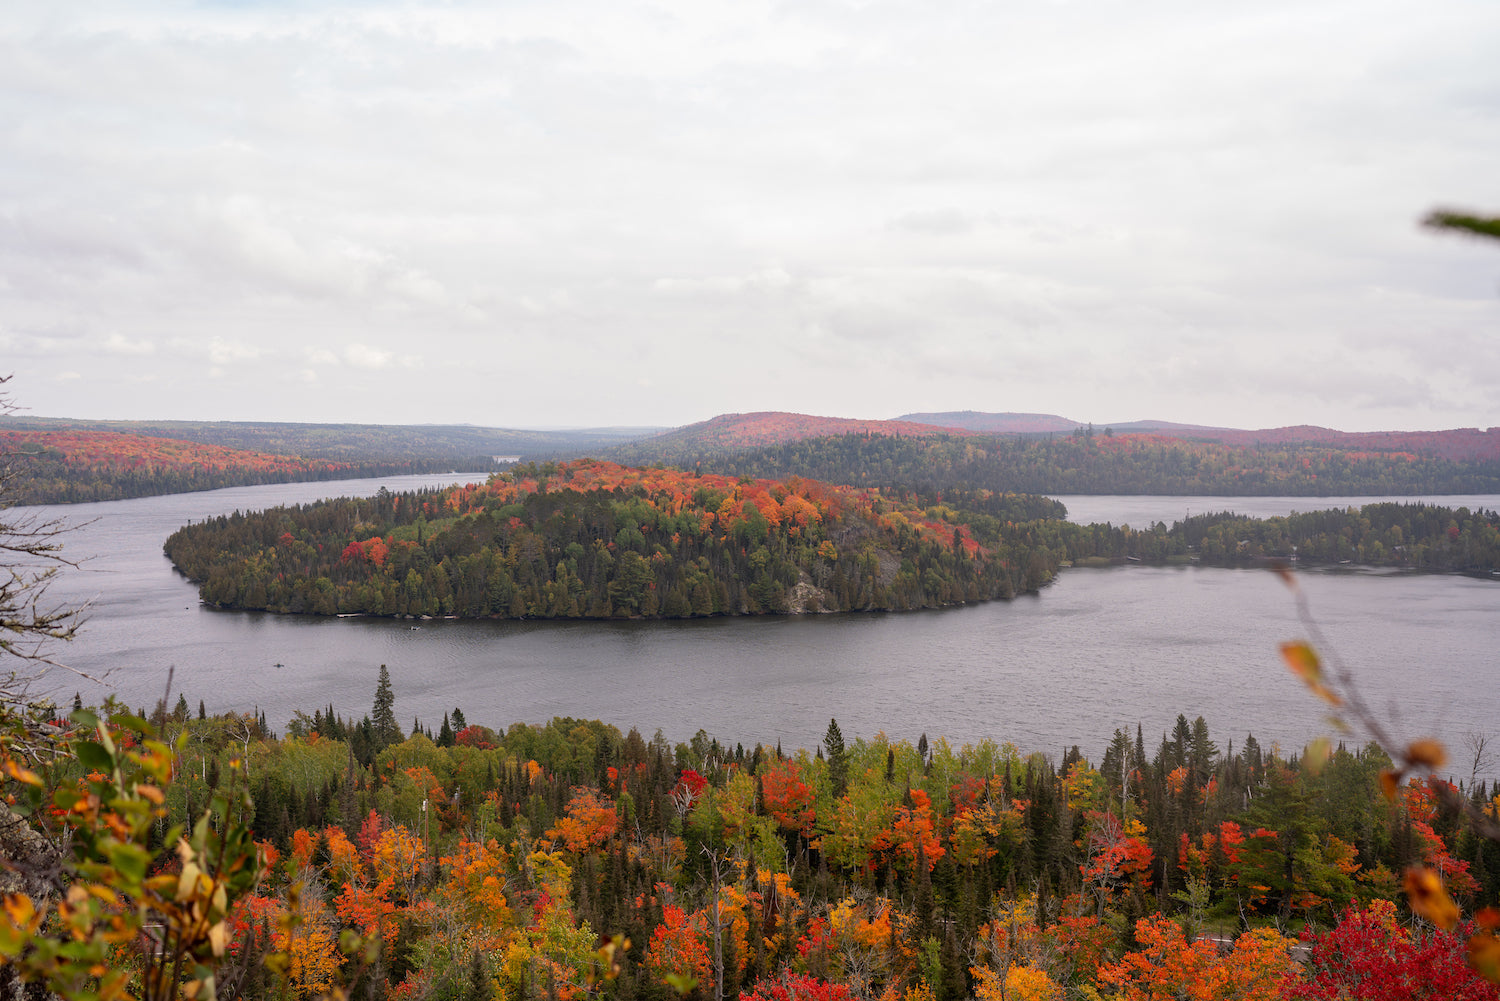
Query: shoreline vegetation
[(595, 540), (491, 863)]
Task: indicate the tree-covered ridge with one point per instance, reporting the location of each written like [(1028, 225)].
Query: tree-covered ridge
[(1088, 463), (448, 443), (75, 466), (598, 540), (733, 432)]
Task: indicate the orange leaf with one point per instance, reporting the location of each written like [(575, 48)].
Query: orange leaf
[(1427, 752), (1484, 956), (1389, 782), (1428, 898)]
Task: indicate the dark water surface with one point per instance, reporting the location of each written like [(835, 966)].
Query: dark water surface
[(1099, 649)]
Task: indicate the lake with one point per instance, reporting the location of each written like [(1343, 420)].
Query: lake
[(1099, 649)]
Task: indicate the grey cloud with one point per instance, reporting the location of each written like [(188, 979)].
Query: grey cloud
[(907, 200)]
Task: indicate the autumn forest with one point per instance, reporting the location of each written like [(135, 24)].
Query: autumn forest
[(181, 853)]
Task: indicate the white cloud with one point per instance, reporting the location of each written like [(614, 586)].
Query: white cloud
[(121, 345), (364, 356)]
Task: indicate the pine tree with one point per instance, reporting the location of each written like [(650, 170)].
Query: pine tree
[(385, 729), (838, 760)]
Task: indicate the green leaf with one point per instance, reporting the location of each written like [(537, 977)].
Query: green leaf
[(137, 724), (682, 983), (94, 757), (132, 861)]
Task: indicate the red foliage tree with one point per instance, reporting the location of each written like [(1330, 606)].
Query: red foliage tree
[(1370, 957)]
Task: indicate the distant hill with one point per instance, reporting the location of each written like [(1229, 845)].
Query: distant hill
[(460, 444), (732, 432), (974, 420), (1458, 443), (71, 466)]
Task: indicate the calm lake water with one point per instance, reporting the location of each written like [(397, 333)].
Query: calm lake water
[(1099, 649)]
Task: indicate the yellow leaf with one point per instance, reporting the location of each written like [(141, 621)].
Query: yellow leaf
[(1304, 662), (1317, 755), (187, 882), (218, 937)]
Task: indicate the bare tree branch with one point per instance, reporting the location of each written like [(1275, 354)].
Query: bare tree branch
[(31, 555)]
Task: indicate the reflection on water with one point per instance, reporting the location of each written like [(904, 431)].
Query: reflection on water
[(1100, 649)]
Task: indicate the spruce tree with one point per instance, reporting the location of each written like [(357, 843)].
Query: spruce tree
[(384, 728), (838, 760)]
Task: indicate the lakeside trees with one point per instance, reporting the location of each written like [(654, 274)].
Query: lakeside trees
[(1087, 463), (531, 861)]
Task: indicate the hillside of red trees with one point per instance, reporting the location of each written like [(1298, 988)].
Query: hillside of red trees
[(72, 466)]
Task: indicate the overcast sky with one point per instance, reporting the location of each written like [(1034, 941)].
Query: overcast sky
[(587, 212)]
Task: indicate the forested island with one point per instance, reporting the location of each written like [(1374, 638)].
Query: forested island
[(597, 540), (570, 860), (592, 539)]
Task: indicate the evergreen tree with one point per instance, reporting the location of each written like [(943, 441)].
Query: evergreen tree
[(383, 726), (838, 759)]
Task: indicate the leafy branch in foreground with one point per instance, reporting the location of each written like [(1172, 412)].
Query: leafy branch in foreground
[(1464, 223), (106, 918), (1424, 885)]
